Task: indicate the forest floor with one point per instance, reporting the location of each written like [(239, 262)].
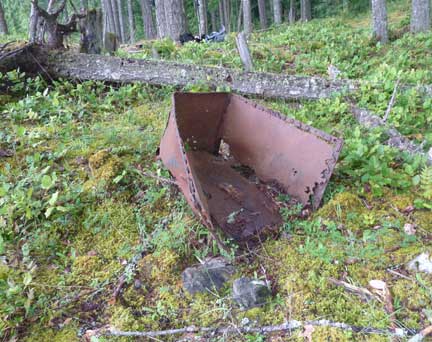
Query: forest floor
[(75, 207)]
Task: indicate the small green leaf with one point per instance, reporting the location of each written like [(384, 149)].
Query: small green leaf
[(53, 198), (27, 279), (46, 182), (49, 211)]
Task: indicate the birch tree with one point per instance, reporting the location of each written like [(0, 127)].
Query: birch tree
[(262, 13), (277, 12), (247, 17)]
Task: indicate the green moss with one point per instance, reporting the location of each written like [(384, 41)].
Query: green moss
[(345, 208), (43, 334), (104, 167)]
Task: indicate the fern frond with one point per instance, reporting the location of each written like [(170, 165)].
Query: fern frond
[(426, 182)]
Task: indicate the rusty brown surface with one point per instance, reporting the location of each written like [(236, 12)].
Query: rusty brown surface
[(276, 150)]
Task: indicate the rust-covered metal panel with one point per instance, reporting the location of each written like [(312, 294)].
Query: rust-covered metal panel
[(295, 157)]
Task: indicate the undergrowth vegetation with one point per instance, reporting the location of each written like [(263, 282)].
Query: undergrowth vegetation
[(78, 209)]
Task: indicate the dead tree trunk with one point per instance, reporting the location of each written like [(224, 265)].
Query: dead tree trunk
[(56, 31), (277, 12), (202, 17), (305, 10), (92, 33), (262, 14), (131, 22), (420, 16), (69, 65), (243, 50), (379, 18), (3, 23), (247, 17)]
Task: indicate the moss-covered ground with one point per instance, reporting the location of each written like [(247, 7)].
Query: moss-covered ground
[(76, 206)]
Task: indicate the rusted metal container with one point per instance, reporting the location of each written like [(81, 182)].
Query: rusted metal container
[(224, 151)]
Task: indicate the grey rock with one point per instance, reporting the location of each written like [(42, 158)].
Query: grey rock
[(249, 293), (209, 276), (421, 263)]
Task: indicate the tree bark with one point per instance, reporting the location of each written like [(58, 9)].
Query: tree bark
[(305, 9), (110, 16), (116, 19), (420, 16), (379, 18), (202, 17), (240, 16), (213, 20), (227, 14), (84, 4), (92, 32), (175, 18), (221, 13), (33, 23), (277, 11), (3, 24), (126, 70), (162, 31), (247, 17), (262, 13), (121, 21), (292, 13), (131, 22), (244, 53)]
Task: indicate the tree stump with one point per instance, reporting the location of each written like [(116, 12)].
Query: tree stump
[(110, 43)]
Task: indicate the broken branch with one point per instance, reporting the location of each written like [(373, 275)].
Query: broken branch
[(392, 100), (365, 294)]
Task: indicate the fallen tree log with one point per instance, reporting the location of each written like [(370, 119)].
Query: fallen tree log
[(396, 139), (63, 64)]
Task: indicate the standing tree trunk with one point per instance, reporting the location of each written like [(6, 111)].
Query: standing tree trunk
[(202, 17), (221, 13), (305, 9), (262, 13), (110, 16), (147, 17), (84, 5), (213, 20), (34, 18), (277, 11), (420, 16), (292, 12), (247, 17), (116, 19), (121, 21), (240, 16), (3, 24), (175, 18), (227, 14), (131, 22), (379, 18)]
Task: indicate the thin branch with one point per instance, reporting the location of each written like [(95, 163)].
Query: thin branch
[(392, 101), (288, 326), (359, 291), (421, 335)]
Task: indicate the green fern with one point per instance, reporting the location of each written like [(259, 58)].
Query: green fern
[(426, 182)]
